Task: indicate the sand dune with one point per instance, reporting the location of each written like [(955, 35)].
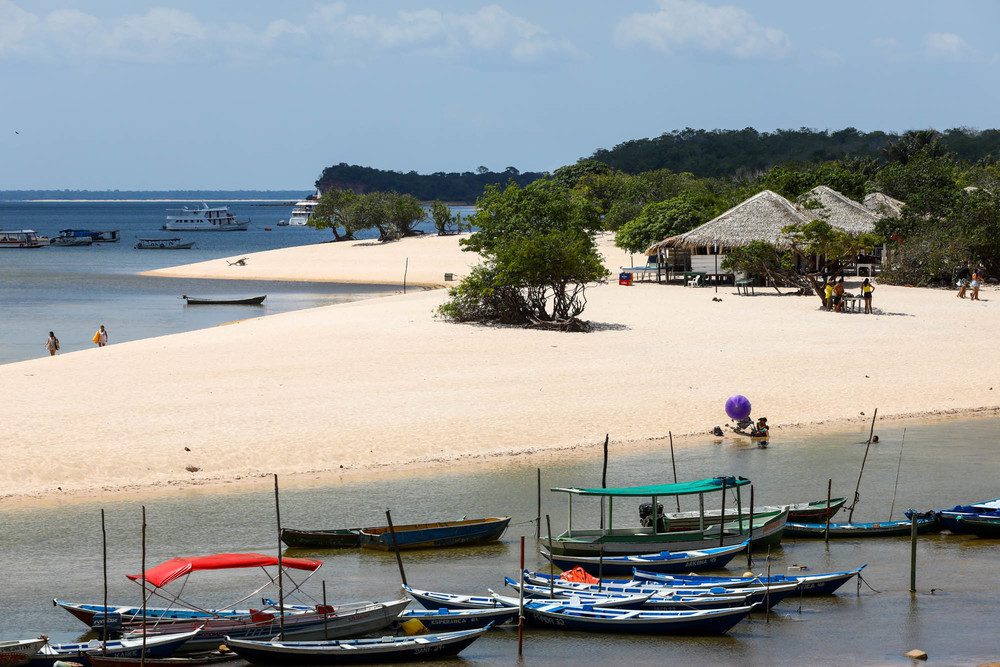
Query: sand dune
[(384, 381)]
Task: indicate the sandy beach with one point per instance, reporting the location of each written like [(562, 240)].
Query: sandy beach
[(385, 384)]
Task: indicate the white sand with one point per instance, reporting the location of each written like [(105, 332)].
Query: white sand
[(383, 381)]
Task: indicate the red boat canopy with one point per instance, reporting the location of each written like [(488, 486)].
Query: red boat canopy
[(164, 573)]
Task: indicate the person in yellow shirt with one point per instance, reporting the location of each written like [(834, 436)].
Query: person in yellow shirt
[(866, 293), (828, 293)]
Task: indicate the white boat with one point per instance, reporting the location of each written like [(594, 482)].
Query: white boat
[(163, 244), (204, 219), (19, 652), (22, 238), (302, 210)]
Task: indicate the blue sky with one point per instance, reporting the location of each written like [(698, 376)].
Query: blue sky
[(239, 94)]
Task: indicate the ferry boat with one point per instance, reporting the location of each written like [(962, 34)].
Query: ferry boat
[(72, 237), (21, 238), (163, 244), (204, 219), (302, 210)]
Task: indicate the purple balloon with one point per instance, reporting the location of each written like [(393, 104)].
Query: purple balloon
[(738, 407)]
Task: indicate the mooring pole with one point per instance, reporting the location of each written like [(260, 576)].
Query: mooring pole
[(520, 607), (829, 490), (406, 268), (722, 517), (538, 514), (600, 570), (850, 516), (142, 655), (673, 464), (104, 558), (395, 547), (281, 565), (326, 628), (913, 551), (750, 537), (604, 476), (552, 565)]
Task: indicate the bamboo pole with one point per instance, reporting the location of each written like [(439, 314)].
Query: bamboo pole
[(281, 565), (538, 515), (520, 607), (673, 463), (395, 546), (142, 656), (850, 516), (406, 268), (604, 476), (548, 525), (829, 491), (722, 517), (750, 536), (899, 464), (104, 559), (913, 552)]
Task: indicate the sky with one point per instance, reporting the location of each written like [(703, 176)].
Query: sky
[(242, 94)]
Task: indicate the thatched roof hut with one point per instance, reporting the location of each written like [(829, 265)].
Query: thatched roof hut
[(883, 205), (838, 210), (759, 218)]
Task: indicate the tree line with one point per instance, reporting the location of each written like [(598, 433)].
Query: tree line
[(462, 187)]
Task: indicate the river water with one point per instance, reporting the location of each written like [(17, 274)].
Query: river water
[(56, 551), (72, 290)]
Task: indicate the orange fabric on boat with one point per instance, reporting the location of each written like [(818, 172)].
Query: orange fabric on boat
[(579, 575)]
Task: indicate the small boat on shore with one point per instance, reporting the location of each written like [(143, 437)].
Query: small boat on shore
[(172, 243), (436, 600), (926, 523), (700, 622), (237, 301), (652, 598), (379, 650), (19, 652), (22, 238)]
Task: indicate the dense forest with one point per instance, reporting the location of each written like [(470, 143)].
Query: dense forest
[(721, 153), (453, 187)]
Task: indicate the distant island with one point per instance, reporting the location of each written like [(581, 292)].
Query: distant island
[(704, 153)]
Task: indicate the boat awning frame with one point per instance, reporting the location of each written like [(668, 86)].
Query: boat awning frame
[(708, 485), (175, 568)]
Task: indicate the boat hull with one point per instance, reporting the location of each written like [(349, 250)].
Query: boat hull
[(436, 535), (251, 301), (848, 530), (799, 512), (156, 647), (15, 653), (709, 622), (686, 561), (981, 526), (321, 539), (447, 620), (809, 585)]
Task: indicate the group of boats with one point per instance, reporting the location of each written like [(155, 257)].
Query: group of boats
[(29, 238)]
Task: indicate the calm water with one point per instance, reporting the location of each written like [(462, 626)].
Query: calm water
[(73, 290), (56, 552)]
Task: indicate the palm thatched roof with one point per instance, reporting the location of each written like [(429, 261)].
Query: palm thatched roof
[(825, 203), (883, 205), (760, 218)]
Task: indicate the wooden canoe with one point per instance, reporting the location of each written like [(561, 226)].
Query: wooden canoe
[(248, 301), (213, 658), (321, 539), (436, 535), (925, 524)]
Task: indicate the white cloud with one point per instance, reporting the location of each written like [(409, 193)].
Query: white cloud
[(682, 25), (946, 46), (165, 34)]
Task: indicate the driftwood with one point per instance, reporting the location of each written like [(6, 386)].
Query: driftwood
[(242, 261), (572, 324)]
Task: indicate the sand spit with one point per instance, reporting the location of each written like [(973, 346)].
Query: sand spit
[(382, 384)]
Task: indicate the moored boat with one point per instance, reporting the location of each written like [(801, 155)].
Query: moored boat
[(162, 646), (302, 211), (321, 539), (667, 561), (436, 600), (654, 599), (815, 510), (225, 301), (204, 219), (950, 518), (19, 651), (435, 535), (981, 525), (823, 583), (199, 660), (22, 238), (926, 522), (172, 243), (72, 238), (353, 651), (707, 621), (445, 620)]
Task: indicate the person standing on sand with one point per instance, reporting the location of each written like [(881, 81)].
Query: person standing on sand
[(838, 296), (52, 344), (866, 293), (977, 280), (963, 281), (828, 293), (101, 337)]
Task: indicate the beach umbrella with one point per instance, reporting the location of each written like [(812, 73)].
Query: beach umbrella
[(738, 407)]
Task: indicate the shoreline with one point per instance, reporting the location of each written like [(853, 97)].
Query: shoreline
[(461, 463)]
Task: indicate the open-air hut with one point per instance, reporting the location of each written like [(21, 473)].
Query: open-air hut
[(825, 203), (883, 205), (759, 218)]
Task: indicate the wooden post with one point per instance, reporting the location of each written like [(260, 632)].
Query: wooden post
[(722, 517), (899, 465), (850, 516), (750, 536), (739, 510), (600, 569), (104, 558), (701, 512), (767, 589), (548, 525), (871, 432), (520, 607), (326, 628), (142, 655), (913, 551), (829, 490), (656, 516), (673, 464), (604, 476), (281, 566), (538, 516), (406, 268), (395, 547)]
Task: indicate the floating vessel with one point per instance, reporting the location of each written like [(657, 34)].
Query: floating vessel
[(981, 525), (204, 219), (303, 210), (926, 522), (321, 539), (435, 535), (239, 301), (666, 561), (162, 646), (352, 651), (444, 620), (815, 510), (950, 519), (72, 237), (436, 600), (163, 244), (706, 621), (19, 652), (22, 238), (213, 658), (654, 598), (825, 583)]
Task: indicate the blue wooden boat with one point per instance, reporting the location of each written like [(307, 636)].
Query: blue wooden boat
[(926, 523), (713, 558), (162, 646), (664, 599), (700, 622), (379, 650), (825, 583), (436, 600), (949, 519), (447, 620), (981, 525), (435, 535)]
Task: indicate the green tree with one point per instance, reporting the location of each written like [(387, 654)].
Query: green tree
[(571, 174), (335, 212), (764, 260), (444, 221), (832, 245), (660, 220), (539, 254)]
